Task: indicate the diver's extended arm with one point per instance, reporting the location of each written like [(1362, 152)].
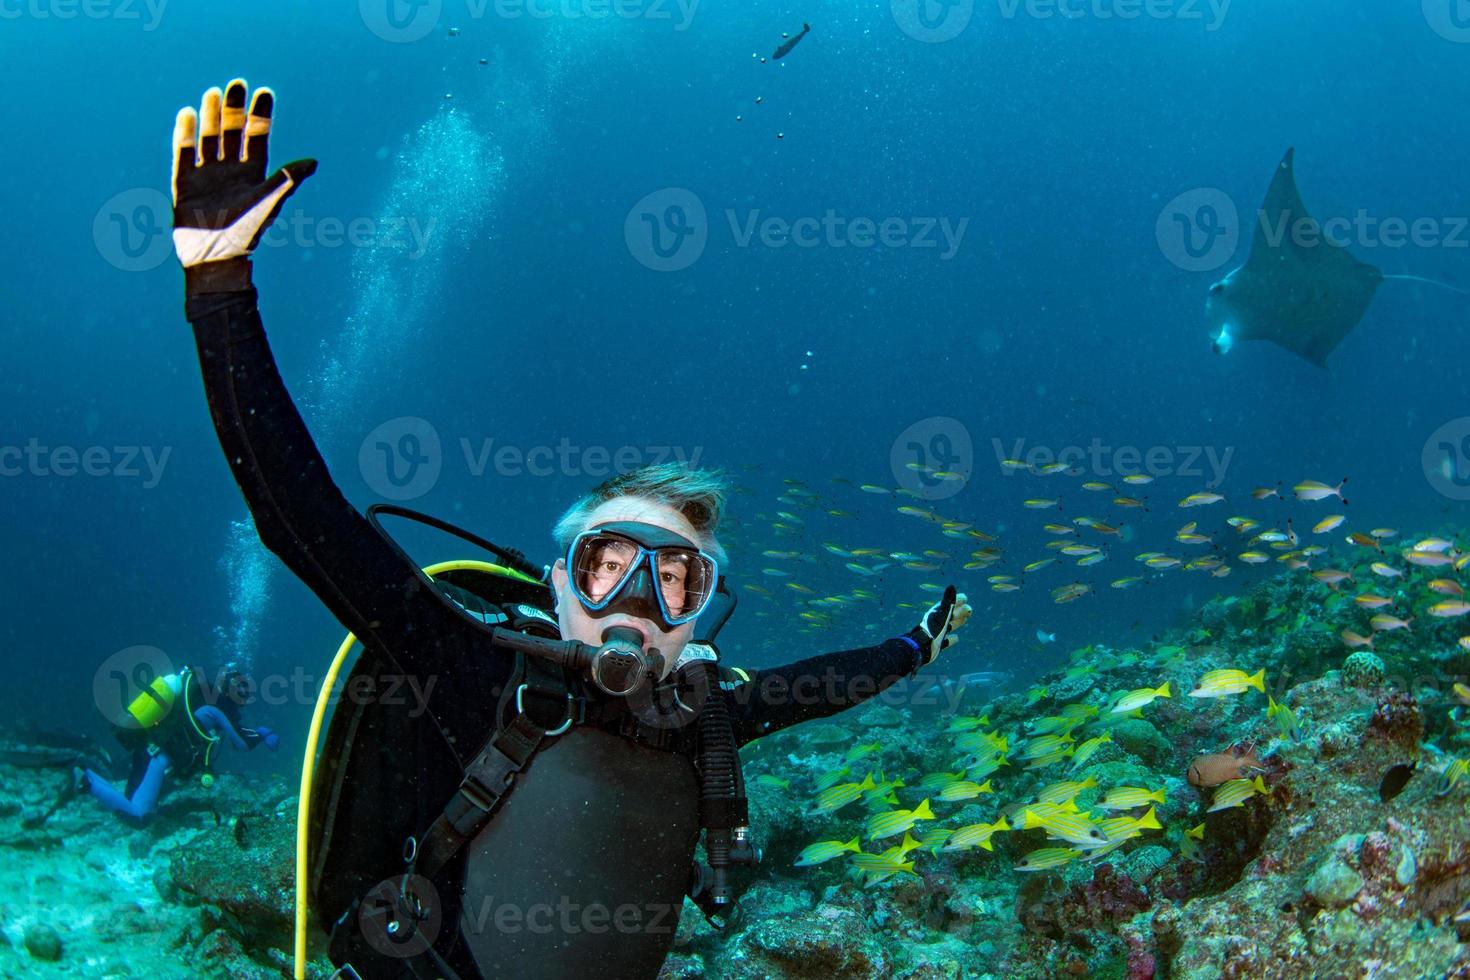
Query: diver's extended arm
[(223, 202), (770, 700), (213, 720), (299, 512), (816, 687)]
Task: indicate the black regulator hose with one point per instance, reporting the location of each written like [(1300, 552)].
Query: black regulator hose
[(619, 667), (724, 811)]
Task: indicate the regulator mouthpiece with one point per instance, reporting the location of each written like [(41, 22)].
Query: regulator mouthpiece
[(620, 666)]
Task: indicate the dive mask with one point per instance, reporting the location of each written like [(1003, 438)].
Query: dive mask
[(641, 570)]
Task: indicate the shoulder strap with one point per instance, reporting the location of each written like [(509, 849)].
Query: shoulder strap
[(543, 709)]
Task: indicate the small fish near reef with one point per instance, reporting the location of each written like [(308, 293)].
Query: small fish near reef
[(1236, 792), (1221, 767), (1395, 779)]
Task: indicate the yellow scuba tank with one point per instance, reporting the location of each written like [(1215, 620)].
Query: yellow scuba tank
[(151, 706)]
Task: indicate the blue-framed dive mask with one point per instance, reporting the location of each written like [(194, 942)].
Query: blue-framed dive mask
[(641, 570)]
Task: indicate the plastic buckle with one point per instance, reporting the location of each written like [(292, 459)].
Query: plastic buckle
[(475, 793), (521, 709)]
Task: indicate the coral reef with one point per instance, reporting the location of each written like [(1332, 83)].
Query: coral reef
[(205, 888), (1315, 877), (1363, 669)]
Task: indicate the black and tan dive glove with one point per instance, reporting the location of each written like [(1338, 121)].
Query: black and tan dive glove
[(936, 629), (223, 200)]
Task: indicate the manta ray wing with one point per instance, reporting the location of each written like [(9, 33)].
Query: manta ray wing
[(1299, 289)]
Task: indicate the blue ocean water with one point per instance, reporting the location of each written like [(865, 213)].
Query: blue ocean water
[(535, 311)]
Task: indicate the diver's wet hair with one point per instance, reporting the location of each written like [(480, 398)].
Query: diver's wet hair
[(697, 494)]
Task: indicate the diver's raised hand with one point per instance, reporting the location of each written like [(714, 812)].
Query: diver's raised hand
[(223, 200), (936, 628)]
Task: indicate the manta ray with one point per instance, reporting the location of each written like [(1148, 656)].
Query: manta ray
[(1298, 289)]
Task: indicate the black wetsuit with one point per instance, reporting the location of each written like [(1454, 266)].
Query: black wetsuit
[(583, 871)]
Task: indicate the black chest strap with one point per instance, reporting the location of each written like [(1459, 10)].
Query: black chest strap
[(543, 709)]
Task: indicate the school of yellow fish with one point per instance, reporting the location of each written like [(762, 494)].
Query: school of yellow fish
[(1066, 741), (1072, 735), (1085, 541)]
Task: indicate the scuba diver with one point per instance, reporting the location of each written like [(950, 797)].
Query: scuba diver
[(537, 816), (180, 721)]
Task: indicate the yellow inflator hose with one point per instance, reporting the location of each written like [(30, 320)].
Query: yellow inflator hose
[(308, 762)]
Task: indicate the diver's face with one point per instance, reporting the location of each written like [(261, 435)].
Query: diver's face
[(578, 624)]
